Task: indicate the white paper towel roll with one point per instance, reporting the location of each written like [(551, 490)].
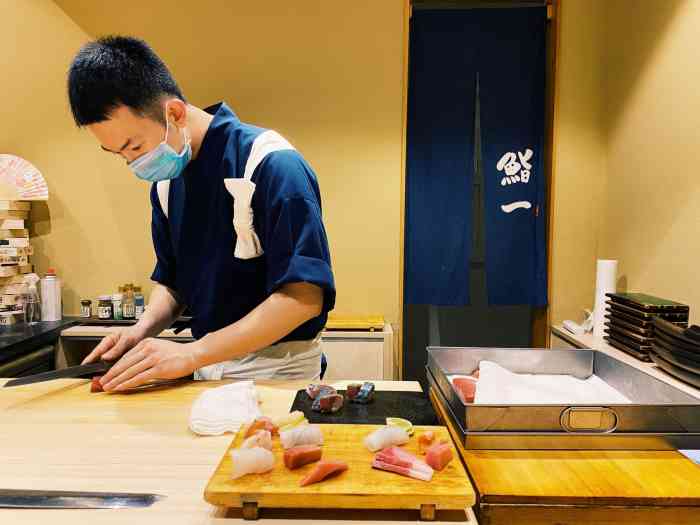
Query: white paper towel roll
[(605, 279)]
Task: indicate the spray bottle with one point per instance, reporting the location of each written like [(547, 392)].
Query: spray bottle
[(32, 309)]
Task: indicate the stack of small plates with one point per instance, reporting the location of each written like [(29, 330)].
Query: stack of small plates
[(677, 351), (629, 321)]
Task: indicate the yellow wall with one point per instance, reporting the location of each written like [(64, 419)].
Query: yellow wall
[(579, 182), (653, 200), (330, 79), (327, 77), (94, 229)]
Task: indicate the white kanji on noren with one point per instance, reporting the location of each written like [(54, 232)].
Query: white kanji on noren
[(516, 168)]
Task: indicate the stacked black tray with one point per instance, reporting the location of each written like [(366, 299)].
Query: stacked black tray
[(677, 351), (629, 321)]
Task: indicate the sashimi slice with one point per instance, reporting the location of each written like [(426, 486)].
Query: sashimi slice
[(262, 423), (315, 390), (386, 437), (405, 460), (256, 460), (261, 438), (425, 440), (324, 470), (439, 455), (404, 471), (296, 457), (327, 404), (302, 435), (289, 420), (466, 388), (95, 385)]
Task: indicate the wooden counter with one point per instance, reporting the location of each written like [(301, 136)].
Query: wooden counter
[(576, 487), (56, 435)]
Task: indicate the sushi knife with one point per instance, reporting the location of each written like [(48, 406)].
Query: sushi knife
[(98, 367), (62, 499)]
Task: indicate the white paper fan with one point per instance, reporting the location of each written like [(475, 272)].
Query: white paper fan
[(20, 180)]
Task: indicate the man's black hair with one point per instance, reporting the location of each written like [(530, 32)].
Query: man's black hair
[(114, 71)]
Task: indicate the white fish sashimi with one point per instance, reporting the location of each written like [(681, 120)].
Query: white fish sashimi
[(256, 460), (261, 438), (301, 435), (386, 437)]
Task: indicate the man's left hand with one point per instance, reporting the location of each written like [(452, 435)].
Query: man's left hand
[(152, 359)]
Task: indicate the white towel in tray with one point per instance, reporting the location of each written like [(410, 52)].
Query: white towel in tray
[(499, 386)]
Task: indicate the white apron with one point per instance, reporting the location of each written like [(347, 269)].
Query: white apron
[(288, 360)]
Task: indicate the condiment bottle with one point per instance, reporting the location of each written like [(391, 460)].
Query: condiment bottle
[(129, 307), (51, 297), (139, 302), (105, 307), (117, 305), (86, 308)]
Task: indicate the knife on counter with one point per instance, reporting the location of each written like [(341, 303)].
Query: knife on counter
[(63, 499), (90, 369)]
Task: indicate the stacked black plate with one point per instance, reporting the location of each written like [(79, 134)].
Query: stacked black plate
[(677, 350), (630, 318)]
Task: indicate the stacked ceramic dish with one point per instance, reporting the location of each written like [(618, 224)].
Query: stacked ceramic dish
[(676, 350), (629, 321)]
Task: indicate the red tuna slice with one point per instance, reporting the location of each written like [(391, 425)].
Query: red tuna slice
[(95, 385), (466, 388), (439, 455), (328, 404), (315, 390), (296, 457), (324, 470), (262, 423)]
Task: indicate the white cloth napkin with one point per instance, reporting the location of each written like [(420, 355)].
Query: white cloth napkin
[(224, 409), (499, 386)]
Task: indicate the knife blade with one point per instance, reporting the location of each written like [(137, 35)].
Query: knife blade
[(63, 499), (98, 367)]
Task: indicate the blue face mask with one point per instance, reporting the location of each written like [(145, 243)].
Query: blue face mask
[(163, 162)]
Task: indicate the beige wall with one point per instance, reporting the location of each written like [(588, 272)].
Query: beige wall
[(93, 229), (327, 77), (579, 182), (652, 219)]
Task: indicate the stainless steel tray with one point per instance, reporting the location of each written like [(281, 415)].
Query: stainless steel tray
[(660, 416)]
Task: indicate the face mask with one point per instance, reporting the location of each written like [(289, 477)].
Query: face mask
[(163, 162)]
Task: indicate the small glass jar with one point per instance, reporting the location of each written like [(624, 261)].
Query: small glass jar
[(117, 306), (86, 308), (104, 307), (139, 303)]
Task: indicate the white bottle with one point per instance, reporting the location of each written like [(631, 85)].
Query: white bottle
[(51, 297)]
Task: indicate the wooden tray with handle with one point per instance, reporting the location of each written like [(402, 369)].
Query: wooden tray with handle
[(360, 487)]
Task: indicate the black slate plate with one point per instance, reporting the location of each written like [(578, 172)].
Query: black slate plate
[(677, 360), (615, 320), (642, 356), (675, 371), (676, 334), (676, 350), (640, 314), (414, 406)]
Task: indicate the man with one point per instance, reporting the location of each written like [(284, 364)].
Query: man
[(236, 227)]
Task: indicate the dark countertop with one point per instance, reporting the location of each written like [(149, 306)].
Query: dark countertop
[(19, 338)]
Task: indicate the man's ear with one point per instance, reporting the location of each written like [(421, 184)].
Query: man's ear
[(177, 112)]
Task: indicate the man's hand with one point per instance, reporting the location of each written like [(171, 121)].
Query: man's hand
[(113, 346), (152, 359)]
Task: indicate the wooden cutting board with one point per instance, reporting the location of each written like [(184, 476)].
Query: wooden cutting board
[(360, 487)]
